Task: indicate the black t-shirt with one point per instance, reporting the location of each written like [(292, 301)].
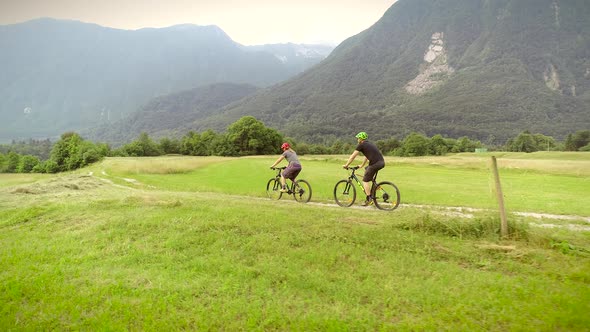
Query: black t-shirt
[(371, 151)]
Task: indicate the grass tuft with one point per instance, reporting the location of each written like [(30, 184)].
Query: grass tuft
[(482, 227)]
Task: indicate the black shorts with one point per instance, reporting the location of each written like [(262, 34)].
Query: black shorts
[(371, 170)]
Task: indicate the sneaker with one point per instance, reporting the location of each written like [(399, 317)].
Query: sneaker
[(284, 190), (367, 202)]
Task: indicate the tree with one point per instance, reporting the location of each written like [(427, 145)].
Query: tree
[(142, 147), (251, 137), (65, 152), (415, 145), (12, 161), (27, 163), (337, 147), (38, 148), (51, 166), (208, 138), (72, 152), (544, 143), (578, 140), (437, 146), (222, 146), (302, 149), (524, 142), (193, 145), (464, 144), (318, 149), (388, 145), (169, 146), (41, 167)]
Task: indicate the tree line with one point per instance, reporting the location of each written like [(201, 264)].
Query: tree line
[(248, 136)]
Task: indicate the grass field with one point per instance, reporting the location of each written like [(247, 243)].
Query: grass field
[(557, 186), (192, 243)]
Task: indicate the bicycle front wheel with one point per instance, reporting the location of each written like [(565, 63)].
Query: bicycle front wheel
[(386, 196), (273, 189), (302, 191), (344, 193)]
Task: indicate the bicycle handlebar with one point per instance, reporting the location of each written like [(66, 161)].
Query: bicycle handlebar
[(354, 168)]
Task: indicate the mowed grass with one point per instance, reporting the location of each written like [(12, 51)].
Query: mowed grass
[(7, 179), (202, 248)]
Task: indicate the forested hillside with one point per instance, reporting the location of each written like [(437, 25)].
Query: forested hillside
[(487, 69), (171, 115)]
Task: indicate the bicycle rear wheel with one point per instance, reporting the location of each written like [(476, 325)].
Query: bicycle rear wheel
[(386, 196), (344, 193), (302, 191), (273, 189)]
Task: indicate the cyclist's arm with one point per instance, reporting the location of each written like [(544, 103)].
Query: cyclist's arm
[(278, 161), (364, 162), (351, 158)]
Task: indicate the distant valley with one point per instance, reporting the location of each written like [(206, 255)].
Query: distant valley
[(67, 75)]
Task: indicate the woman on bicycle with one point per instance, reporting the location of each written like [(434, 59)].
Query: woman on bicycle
[(292, 169), (373, 156)]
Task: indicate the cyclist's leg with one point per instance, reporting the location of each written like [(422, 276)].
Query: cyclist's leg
[(283, 181), (296, 171), (292, 171), (374, 181), (370, 177), (367, 187)]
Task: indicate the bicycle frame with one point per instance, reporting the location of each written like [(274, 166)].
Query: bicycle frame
[(354, 177), (299, 189), (278, 178), (385, 194)]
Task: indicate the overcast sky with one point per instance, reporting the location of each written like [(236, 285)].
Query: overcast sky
[(248, 22)]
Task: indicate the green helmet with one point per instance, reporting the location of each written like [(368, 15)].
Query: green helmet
[(362, 135)]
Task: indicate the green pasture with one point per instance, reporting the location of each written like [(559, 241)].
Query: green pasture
[(544, 186), (192, 243)]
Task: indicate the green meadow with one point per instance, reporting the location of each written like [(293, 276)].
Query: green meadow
[(193, 243)]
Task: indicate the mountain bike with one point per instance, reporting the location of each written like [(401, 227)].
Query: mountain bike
[(300, 189), (385, 194)]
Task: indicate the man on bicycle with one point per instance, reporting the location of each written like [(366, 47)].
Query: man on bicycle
[(373, 156)]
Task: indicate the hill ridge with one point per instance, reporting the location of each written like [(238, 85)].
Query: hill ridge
[(490, 78)]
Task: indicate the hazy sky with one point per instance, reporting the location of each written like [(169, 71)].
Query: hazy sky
[(248, 22)]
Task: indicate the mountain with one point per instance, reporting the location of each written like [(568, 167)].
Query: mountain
[(170, 115), (66, 75), (487, 69), (299, 56)]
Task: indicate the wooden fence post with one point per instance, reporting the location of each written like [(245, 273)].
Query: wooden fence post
[(500, 196)]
